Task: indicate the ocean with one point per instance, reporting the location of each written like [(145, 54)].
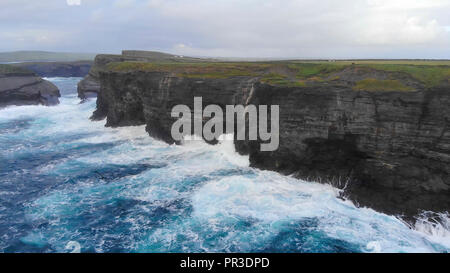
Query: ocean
[(71, 184)]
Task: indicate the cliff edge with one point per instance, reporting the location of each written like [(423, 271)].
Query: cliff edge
[(379, 132)]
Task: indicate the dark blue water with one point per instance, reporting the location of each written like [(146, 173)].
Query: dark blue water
[(65, 180)]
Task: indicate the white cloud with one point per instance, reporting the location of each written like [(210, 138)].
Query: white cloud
[(124, 3), (401, 30), (73, 2), (241, 28), (407, 4), (33, 36), (302, 28)]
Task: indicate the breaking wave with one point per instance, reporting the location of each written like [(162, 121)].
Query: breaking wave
[(70, 184)]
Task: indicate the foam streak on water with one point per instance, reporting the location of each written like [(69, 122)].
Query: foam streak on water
[(66, 181)]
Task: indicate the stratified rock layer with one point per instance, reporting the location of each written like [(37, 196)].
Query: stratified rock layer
[(388, 150)]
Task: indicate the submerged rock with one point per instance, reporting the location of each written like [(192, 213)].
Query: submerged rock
[(23, 87)]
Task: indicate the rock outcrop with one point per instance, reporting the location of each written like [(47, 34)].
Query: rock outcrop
[(58, 69), (388, 150), (22, 87)]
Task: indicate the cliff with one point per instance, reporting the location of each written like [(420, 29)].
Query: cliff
[(58, 69), (381, 133), (23, 87), (90, 85)]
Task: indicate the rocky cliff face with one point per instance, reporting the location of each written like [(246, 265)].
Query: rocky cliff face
[(90, 85), (389, 150), (21, 87)]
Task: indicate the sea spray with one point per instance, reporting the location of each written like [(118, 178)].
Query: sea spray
[(68, 179)]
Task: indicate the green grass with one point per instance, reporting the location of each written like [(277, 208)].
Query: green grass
[(429, 75), (296, 73), (282, 80), (310, 70), (193, 70), (381, 85), (397, 62)]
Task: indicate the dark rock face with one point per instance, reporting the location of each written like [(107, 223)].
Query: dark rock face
[(90, 85), (58, 69), (389, 150), (27, 89)]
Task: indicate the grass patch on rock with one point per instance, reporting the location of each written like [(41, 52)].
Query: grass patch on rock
[(429, 75), (381, 85), (282, 80), (295, 73), (315, 70)]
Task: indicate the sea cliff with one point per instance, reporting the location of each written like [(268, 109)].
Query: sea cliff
[(90, 85), (379, 133), (58, 69)]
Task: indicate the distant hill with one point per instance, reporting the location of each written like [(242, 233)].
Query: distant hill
[(44, 56)]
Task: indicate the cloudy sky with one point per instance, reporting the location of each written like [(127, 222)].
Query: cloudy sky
[(232, 28)]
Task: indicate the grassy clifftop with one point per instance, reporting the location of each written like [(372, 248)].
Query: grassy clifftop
[(362, 75), (381, 85)]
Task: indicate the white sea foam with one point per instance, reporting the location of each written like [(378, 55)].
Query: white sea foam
[(214, 180), (272, 198), (435, 226), (225, 149), (267, 196)]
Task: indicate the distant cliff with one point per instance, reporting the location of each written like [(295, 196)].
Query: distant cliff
[(381, 134), (44, 56), (22, 87), (58, 69)]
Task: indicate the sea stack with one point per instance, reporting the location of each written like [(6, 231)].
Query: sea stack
[(19, 86)]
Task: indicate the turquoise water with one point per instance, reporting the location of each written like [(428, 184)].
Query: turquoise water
[(66, 180)]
